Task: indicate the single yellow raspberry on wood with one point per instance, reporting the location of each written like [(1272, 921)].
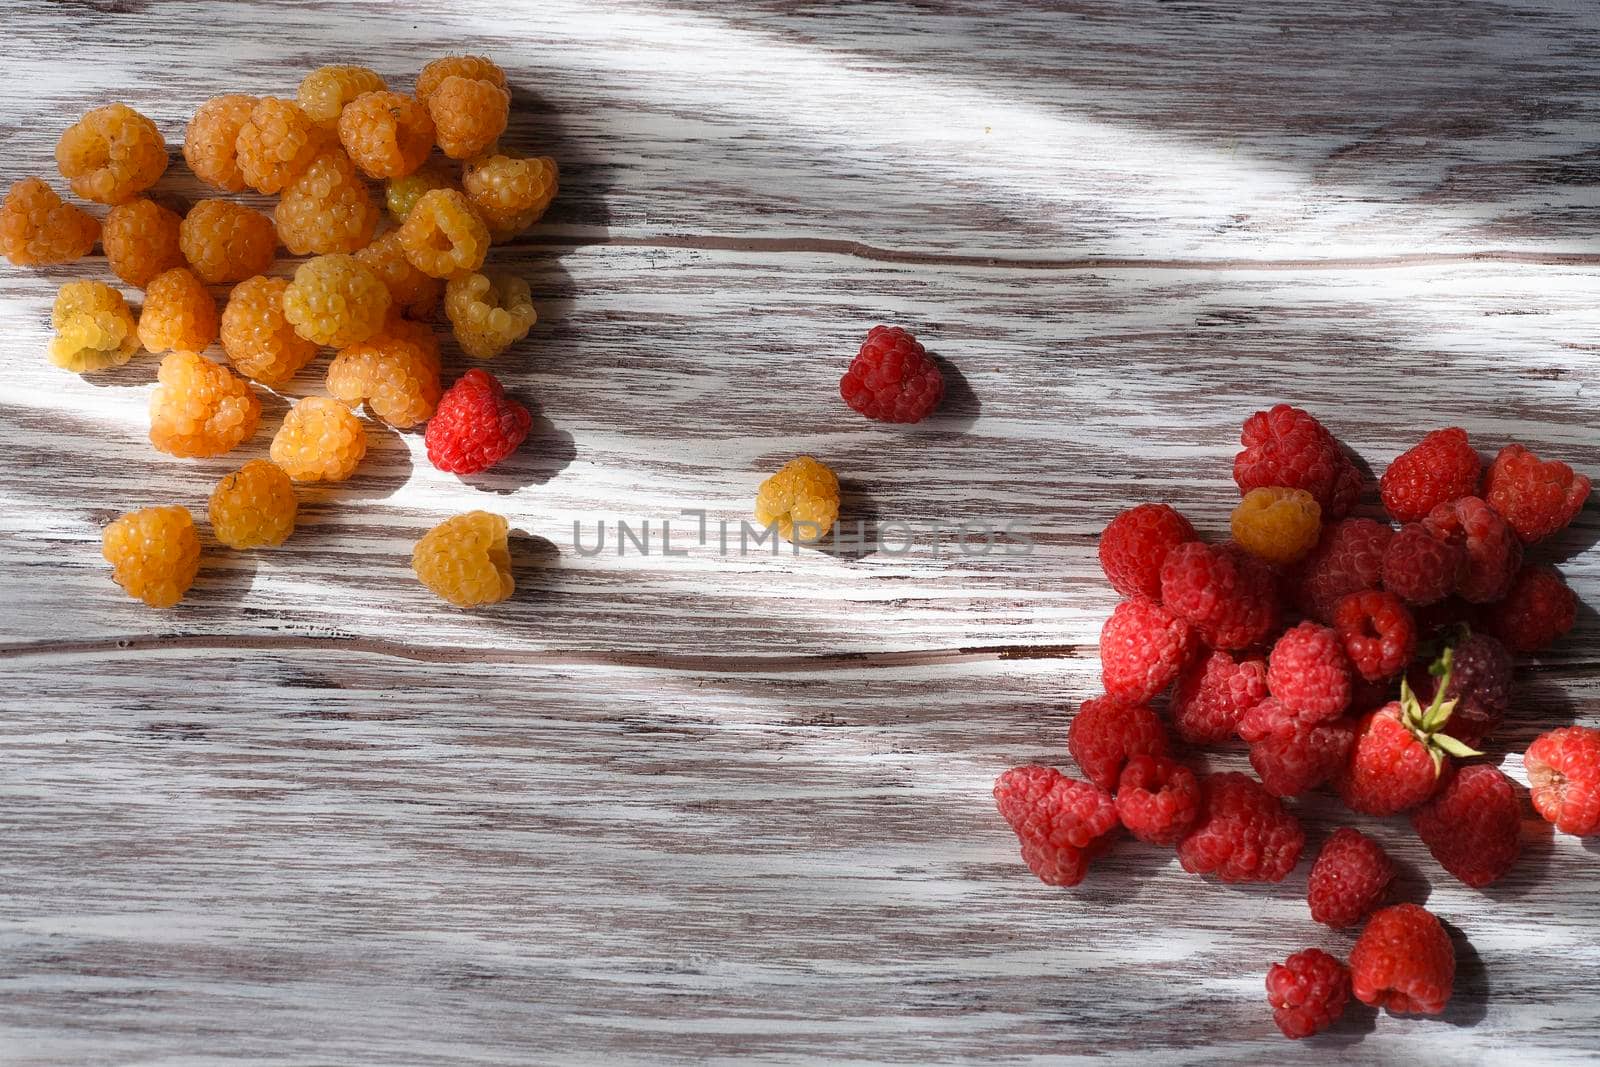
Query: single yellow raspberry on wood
[(276, 143), (395, 372), (210, 144), (488, 312), (259, 341), (200, 408), (141, 240), (328, 208), (511, 193), (112, 154), (325, 92), (469, 115), (254, 507), (466, 560), (226, 242), (320, 440), (336, 300), (386, 134), (444, 236), (38, 228), (179, 313), (802, 498), (94, 328), (1277, 525), (154, 554)]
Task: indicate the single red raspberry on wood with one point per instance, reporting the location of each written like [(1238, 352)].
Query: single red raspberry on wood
[(1536, 497), (1564, 776), (1442, 467), (1135, 544), (1158, 799), (1244, 834), (1348, 559), (1378, 633), (475, 425), (1104, 735), (1290, 754), (1142, 647), (1538, 611), (1349, 878), (1420, 568), (1493, 553), (1400, 752), (1213, 693), (1226, 594), (1473, 825), (892, 379), (1062, 824), (1307, 992), (1404, 962), (1309, 673), (1287, 448)]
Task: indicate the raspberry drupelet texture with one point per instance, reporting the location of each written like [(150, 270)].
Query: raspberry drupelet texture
[(1227, 595), (1244, 834), (510, 192), (141, 240), (1536, 613), (489, 312), (1564, 777), (466, 560), (320, 440), (1309, 673), (430, 77), (1213, 693), (1378, 633), (1143, 646), (38, 228), (1349, 879), (443, 235), (226, 242), (210, 144), (200, 408), (1288, 448), (1291, 755), (469, 115), (1062, 824), (1419, 568), (154, 554), (326, 91), (179, 313), (336, 300), (387, 135), (802, 498), (112, 154), (1404, 962), (253, 507), (1277, 525), (328, 208), (257, 338), (1493, 553), (412, 292), (1473, 825), (1158, 799), (1135, 544), (94, 328), (394, 372), (891, 378), (1104, 735), (476, 426), (1307, 992), (1348, 559), (1441, 468), (276, 143), (1479, 686), (1536, 497), (402, 194)]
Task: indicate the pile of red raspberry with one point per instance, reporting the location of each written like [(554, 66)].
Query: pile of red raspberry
[(1368, 657)]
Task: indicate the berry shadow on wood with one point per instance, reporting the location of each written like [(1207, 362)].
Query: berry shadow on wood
[(536, 128), (960, 408), (859, 531), (534, 563), (1469, 1003)]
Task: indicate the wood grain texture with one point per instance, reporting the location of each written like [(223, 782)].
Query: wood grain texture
[(726, 808)]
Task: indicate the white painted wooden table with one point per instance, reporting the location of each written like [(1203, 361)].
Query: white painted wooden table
[(736, 809)]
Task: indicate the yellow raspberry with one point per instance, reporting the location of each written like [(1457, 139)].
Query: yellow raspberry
[(326, 209), (488, 312), (466, 560), (154, 554), (326, 91), (179, 313), (254, 507), (38, 228), (411, 291), (210, 144), (141, 240), (430, 77), (469, 115), (94, 328), (388, 135), (226, 242), (396, 376), (112, 154), (257, 338), (511, 193), (336, 300), (443, 235), (200, 408), (1278, 525), (401, 194), (276, 143), (803, 498), (320, 440)]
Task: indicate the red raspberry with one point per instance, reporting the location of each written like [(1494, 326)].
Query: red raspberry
[(1348, 559), (1135, 544), (1289, 449), (892, 379), (1378, 633), (1143, 646), (1212, 693), (1537, 611), (1404, 961), (1349, 878), (1309, 673), (1227, 595), (1245, 835), (1158, 799), (1419, 568), (1399, 754), (1473, 825), (1307, 992), (475, 426), (1104, 735), (1063, 824), (1564, 776), (1492, 549), (1479, 670), (1536, 497), (1289, 754), (1441, 468)]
